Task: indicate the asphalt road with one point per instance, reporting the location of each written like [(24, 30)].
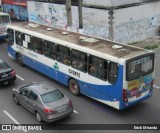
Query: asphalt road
[(87, 111)]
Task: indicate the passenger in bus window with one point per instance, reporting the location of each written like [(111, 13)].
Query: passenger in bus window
[(66, 60), (53, 55), (80, 65), (93, 70), (46, 52), (77, 64)]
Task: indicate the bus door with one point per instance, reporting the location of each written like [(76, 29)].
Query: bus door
[(10, 39)]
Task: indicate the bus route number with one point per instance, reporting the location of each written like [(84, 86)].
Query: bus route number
[(74, 73)]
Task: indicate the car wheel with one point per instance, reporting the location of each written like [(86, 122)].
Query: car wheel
[(20, 60), (74, 87), (38, 117), (16, 100)]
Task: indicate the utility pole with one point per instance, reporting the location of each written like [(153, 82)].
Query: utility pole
[(80, 4), (69, 13), (111, 18)]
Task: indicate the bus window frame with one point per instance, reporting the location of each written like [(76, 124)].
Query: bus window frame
[(66, 56), (82, 62), (94, 75), (115, 74), (21, 38), (52, 53)]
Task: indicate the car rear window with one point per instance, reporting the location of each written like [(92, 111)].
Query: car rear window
[(52, 96), (3, 65)]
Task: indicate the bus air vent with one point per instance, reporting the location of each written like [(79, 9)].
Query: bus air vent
[(33, 25), (116, 46), (83, 37), (88, 40), (49, 29), (65, 33)]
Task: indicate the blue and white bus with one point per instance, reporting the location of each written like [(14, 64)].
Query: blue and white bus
[(113, 73), (4, 20)]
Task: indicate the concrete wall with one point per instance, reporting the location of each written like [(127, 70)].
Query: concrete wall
[(54, 15), (95, 22), (136, 23), (109, 3), (130, 24)]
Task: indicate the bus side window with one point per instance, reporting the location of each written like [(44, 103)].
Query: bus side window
[(98, 67), (112, 72), (10, 37), (49, 49), (34, 45), (63, 55), (19, 39), (79, 60)]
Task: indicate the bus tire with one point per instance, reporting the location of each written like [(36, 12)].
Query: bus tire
[(20, 60), (74, 87)]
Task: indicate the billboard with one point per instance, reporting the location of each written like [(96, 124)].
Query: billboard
[(15, 2), (17, 13)]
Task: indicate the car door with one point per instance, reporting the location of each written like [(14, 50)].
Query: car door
[(23, 96), (32, 101)]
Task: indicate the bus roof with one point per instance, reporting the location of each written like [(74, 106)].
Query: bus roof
[(3, 13), (107, 47)]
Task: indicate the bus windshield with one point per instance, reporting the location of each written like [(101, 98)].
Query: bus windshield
[(4, 19), (140, 67)]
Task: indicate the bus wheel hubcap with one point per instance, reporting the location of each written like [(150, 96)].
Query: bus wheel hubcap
[(74, 87)]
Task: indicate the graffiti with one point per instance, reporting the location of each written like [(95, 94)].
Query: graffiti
[(52, 9), (97, 31), (95, 24), (136, 30), (39, 7), (53, 15)]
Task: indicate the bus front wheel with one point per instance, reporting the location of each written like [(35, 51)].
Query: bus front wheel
[(74, 87), (20, 60)]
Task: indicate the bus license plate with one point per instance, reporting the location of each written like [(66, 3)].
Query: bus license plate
[(138, 95)]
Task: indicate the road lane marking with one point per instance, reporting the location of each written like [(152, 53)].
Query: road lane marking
[(19, 77), (11, 117), (76, 112), (157, 87)]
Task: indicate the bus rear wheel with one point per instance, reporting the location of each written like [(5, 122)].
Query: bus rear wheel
[(20, 60), (74, 87)]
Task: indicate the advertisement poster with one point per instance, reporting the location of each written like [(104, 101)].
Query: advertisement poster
[(15, 2), (17, 13)]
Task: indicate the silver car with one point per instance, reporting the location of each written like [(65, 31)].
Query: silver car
[(46, 102)]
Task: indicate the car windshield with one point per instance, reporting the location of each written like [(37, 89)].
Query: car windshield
[(3, 65), (52, 96), (140, 67)]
